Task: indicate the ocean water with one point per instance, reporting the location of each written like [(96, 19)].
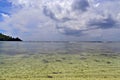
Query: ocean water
[(12, 48), (59, 60)]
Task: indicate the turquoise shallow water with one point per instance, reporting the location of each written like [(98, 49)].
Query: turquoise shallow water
[(12, 48)]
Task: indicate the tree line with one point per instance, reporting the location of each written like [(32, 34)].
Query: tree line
[(8, 38)]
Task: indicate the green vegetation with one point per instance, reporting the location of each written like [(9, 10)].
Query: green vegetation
[(8, 38), (81, 66)]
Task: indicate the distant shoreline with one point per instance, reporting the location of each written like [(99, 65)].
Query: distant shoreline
[(8, 38), (76, 41)]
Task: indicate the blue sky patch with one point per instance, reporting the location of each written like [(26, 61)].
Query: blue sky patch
[(5, 7)]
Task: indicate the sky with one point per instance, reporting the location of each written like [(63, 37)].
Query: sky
[(61, 20)]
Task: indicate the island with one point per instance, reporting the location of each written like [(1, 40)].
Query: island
[(8, 38)]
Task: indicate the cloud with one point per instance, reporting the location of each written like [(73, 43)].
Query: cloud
[(80, 5), (50, 14), (67, 19), (4, 15), (105, 23), (69, 31)]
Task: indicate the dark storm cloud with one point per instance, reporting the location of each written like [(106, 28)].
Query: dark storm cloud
[(51, 15), (80, 5), (106, 23), (73, 32), (69, 31), (103, 23)]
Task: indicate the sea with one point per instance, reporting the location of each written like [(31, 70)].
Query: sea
[(59, 47)]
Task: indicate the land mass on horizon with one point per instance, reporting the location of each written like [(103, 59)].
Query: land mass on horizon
[(8, 38)]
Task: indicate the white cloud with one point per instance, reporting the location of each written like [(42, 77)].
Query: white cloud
[(5, 15)]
